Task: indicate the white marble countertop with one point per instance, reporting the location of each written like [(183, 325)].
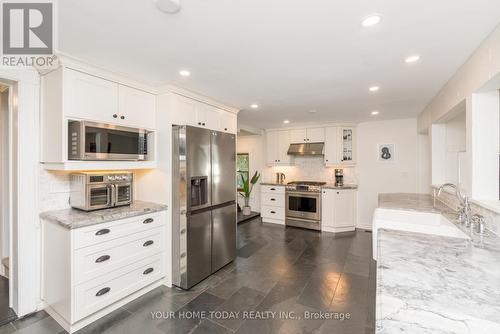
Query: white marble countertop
[(73, 218), (326, 186), (433, 284)]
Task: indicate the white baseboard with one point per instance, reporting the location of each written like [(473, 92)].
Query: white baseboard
[(365, 226)]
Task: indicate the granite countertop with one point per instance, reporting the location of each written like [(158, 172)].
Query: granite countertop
[(272, 184), (435, 284), (73, 218)]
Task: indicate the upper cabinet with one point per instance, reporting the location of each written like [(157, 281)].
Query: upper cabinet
[(340, 146), (136, 107), (92, 98), (188, 111), (309, 135), (277, 144)]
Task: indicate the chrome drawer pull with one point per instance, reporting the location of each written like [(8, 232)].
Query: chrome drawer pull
[(148, 221), (148, 271), (148, 243), (103, 231), (102, 292), (102, 258)]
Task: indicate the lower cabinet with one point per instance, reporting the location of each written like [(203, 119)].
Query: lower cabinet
[(339, 208), (272, 204), (91, 271)]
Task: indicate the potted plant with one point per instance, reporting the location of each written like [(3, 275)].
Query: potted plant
[(246, 191)]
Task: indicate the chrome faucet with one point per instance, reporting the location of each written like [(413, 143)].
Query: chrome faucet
[(464, 213), (477, 223)]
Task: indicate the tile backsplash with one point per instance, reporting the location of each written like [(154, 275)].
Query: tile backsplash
[(309, 169), (54, 190)]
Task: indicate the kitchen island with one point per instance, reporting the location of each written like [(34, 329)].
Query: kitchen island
[(435, 284)]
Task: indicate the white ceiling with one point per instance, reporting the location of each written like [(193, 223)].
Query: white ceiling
[(288, 56)]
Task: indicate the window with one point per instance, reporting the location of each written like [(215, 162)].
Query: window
[(242, 168)]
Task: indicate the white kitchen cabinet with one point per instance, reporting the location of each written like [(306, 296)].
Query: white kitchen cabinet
[(187, 111), (136, 108), (340, 146), (277, 145), (88, 97), (338, 213), (91, 271), (228, 122), (309, 135), (272, 204), (70, 94)]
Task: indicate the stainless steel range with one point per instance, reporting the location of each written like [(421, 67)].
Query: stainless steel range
[(303, 204)]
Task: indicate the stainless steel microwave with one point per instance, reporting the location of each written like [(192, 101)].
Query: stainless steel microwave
[(98, 141)]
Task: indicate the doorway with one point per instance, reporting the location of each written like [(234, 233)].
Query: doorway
[(6, 201)]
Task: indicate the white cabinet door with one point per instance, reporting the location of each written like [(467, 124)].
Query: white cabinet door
[(327, 210), (136, 108), (315, 135), (183, 110), (89, 97), (207, 116), (283, 146), (228, 122), (298, 136), (272, 147), (331, 146), (344, 208)]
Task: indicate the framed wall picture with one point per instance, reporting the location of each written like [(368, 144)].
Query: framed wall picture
[(386, 152)]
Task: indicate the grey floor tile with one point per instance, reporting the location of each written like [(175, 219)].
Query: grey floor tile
[(254, 326), (44, 326), (209, 327), (30, 319), (357, 265), (155, 300), (7, 329), (204, 302), (243, 300), (107, 323), (319, 291), (249, 249)]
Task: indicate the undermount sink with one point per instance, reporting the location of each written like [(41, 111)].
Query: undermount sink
[(413, 221)]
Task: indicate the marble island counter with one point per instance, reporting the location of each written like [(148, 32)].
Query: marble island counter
[(435, 284), (72, 218)]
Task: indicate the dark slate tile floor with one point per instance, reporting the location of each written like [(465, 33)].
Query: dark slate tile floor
[(277, 269)]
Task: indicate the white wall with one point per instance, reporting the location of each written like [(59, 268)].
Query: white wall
[(402, 175)]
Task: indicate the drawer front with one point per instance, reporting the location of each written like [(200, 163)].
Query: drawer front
[(272, 189), (97, 260), (272, 212), (91, 235), (96, 294), (273, 199)]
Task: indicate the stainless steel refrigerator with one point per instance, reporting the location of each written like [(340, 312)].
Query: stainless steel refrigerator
[(204, 203)]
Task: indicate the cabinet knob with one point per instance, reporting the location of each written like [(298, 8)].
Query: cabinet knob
[(225, 129), (103, 291), (122, 117), (148, 271), (203, 124), (102, 258), (199, 123), (103, 231), (149, 243), (326, 160), (115, 116)]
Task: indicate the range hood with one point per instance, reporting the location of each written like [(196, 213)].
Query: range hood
[(306, 149)]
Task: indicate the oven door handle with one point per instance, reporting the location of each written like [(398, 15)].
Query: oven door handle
[(304, 194)]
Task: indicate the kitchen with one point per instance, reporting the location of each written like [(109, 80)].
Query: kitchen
[(128, 202)]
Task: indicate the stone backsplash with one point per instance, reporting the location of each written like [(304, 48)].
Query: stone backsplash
[(492, 218)]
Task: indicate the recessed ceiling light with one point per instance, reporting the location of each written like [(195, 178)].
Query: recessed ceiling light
[(374, 88), (286, 121), (313, 111), (254, 106), (371, 20), (185, 73), (412, 59), (168, 6), (375, 112)]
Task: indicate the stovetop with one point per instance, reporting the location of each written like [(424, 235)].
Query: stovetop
[(304, 186)]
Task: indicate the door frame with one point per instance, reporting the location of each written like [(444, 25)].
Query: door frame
[(25, 255)]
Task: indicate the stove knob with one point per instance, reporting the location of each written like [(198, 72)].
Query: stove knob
[(111, 178)]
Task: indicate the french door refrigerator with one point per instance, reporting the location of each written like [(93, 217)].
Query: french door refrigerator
[(204, 203)]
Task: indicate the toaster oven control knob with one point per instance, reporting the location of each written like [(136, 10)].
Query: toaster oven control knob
[(111, 178)]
